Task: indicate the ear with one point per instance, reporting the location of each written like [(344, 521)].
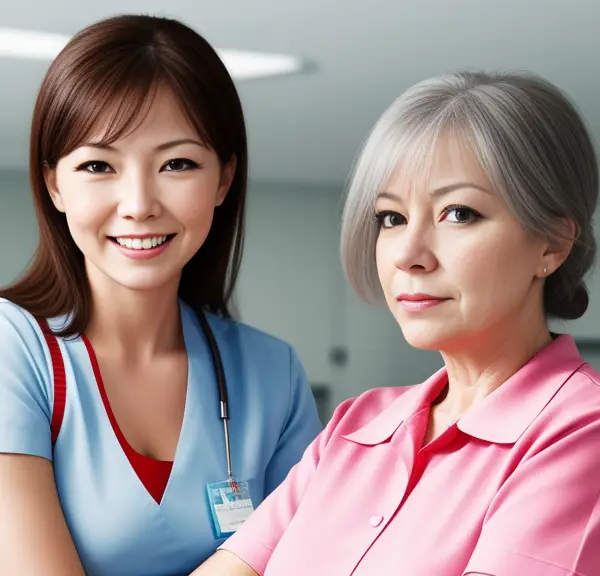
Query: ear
[(227, 175), (558, 249), (50, 179)]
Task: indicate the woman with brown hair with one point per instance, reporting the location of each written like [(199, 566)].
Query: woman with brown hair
[(139, 424)]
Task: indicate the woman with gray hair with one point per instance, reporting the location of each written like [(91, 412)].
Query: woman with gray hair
[(470, 215)]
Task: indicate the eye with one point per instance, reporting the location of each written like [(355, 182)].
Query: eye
[(389, 219), (459, 214), (179, 165), (95, 167)]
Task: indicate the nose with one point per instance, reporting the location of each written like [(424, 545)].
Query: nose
[(139, 198), (414, 251)]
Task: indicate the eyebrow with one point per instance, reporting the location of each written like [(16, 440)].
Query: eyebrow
[(440, 191), (160, 148)]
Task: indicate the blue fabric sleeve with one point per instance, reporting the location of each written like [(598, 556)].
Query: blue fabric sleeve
[(301, 427), (25, 385)]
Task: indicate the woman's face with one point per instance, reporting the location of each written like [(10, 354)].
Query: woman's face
[(142, 207), (454, 263)]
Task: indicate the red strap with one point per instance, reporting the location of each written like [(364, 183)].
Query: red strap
[(59, 379)]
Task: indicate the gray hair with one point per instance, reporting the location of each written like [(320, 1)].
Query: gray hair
[(531, 143)]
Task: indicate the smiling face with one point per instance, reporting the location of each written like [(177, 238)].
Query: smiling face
[(454, 263), (140, 208)]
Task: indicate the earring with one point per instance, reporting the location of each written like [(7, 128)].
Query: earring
[(545, 270)]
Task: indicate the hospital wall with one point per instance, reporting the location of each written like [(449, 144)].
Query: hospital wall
[(291, 285)]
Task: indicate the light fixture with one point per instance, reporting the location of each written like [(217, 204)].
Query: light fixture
[(30, 44), (242, 65)]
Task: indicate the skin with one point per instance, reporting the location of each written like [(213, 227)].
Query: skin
[(224, 563), (477, 258), (144, 184)]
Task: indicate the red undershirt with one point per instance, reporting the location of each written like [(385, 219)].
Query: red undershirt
[(154, 474)]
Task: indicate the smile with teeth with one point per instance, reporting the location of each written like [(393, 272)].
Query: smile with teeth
[(142, 243)]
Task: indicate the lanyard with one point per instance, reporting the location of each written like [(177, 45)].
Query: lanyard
[(221, 386)]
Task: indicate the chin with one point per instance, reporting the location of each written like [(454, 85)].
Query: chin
[(423, 343), (425, 336), (144, 282)]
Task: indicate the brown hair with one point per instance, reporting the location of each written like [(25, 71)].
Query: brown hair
[(117, 65)]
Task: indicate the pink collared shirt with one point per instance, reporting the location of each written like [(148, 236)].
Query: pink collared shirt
[(512, 489)]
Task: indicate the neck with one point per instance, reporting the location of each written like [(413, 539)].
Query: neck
[(135, 324), (477, 367)]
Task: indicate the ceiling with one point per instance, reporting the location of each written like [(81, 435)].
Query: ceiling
[(307, 128)]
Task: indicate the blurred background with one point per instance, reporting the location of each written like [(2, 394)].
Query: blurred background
[(306, 123)]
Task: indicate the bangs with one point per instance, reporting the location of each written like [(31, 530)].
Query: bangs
[(117, 116), (409, 149), (410, 159), (104, 112)]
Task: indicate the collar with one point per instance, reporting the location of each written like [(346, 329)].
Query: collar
[(382, 427), (503, 416)]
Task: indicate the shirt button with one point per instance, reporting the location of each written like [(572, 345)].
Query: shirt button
[(375, 521)]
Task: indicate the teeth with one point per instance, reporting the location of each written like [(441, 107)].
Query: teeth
[(142, 243)]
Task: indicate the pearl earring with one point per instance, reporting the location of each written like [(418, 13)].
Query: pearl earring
[(545, 270)]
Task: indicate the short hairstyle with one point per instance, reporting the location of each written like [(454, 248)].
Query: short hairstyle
[(530, 141)]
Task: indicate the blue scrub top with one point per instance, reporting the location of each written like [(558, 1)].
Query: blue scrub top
[(117, 527)]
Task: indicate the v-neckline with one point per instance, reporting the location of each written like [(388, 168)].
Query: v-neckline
[(118, 433)]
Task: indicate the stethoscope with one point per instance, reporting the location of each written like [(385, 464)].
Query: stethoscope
[(221, 386)]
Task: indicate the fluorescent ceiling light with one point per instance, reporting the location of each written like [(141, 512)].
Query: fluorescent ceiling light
[(242, 65), (29, 44)]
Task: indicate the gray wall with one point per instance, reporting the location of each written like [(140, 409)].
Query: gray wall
[(18, 229)]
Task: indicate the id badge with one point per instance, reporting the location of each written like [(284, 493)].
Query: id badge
[(230, 506)]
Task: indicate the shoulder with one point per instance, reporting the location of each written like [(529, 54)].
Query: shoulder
[(247, 348), (17, 326), (242, 335), (578, 399), (257, 359), (373, 416), (24, 349), (361, 410), (555, 395), (252, 358), (591, 376), (577, 403), (567, 427), (25, 373)]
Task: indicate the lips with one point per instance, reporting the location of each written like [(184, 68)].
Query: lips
[(419, 301), (140, 247), (418, 297)]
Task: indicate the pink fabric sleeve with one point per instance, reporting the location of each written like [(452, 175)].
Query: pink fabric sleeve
[(255, 541)]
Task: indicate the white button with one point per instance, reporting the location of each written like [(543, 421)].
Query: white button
[(375, 521)]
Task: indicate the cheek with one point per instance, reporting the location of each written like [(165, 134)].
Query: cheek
[(382, 260), (194, 209), (86, 214), (193, 206), (475, 264), (497, 267), (386, 267), (86, 205)]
